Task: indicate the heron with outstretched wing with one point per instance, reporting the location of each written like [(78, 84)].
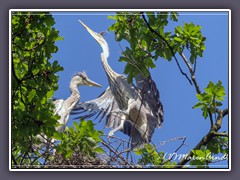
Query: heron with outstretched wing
[(135, 110)]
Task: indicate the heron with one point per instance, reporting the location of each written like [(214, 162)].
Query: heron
[(64, 107), (136, 110)]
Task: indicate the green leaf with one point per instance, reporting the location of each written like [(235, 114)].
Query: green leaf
[(199, 153), (69, 152), (59, 38), (149, 63), (50, 94), (218, 103), (198, 105), (99, 150), (197, 163), (31, 104), (199, 96), (57, 135), (207, 98), (205, 113), (31, 95), (138, 152), (178, 39), (174, 16), (91, 141), (75, 124), (193, 58)]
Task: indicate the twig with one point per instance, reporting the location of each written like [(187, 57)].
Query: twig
[(195, 66), (162, 143), (115, 137), (23, 157), (112, 149), (191, 72), (184, 139)]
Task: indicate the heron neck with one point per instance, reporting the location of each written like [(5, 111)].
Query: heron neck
[(119, 86), (75, 94), (109, 71)]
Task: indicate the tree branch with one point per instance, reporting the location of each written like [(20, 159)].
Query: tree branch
[(225, 112), (14, 161), (171, 49), (220, 134), (191, 72), (205, 139), (211, 119)]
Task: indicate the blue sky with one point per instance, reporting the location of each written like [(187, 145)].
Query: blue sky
[(80, 52)]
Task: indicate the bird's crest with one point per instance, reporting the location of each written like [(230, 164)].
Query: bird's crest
[(82, 74)]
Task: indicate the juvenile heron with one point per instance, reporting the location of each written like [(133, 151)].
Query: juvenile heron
[(135, 110), (64, 107)]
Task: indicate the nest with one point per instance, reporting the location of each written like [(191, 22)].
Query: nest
[(79, 161)]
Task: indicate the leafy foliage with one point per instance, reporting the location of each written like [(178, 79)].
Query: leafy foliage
[(147, 47), (80, 138), (34, 78), (218, 145), (211, 98), (189, 36), (200, 158), (144, 46), (153, 159), (207, 154)]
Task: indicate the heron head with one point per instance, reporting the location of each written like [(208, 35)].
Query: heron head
[(81, 78), (99, 38)]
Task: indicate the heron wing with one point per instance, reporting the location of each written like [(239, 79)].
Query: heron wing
[(136, 138), (140, 131), (102, 105), (58, 105), (151, 97)]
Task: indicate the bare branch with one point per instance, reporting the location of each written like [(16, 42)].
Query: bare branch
[(184, 139), (225, 112), (162, 143), (220, 134), (211, 119), (115, 152), (195, 66), (191, 72)]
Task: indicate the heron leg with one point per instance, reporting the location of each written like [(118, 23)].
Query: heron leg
[(120, 127)]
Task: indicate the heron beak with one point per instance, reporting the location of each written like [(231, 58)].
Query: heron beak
[(99, 38), (93, 34), (92, 83)]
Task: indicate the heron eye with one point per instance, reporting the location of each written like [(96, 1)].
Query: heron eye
[(83, 78)]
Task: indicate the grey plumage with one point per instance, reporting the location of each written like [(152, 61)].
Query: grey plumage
[(64, 107), (135, 110)]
